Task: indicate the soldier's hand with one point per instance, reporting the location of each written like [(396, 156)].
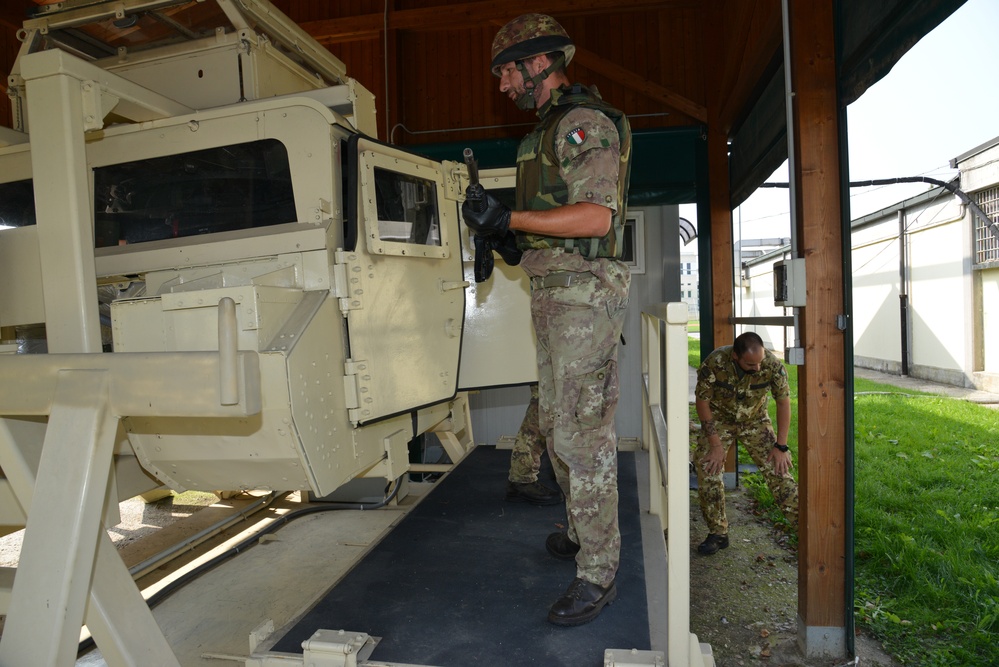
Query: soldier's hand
[(487, 216), (506, 247), (781, 460), (483, 257), (475, 196), (714, 461)]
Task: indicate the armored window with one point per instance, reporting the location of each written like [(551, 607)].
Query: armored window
[(17, 204), (986, 238), (407, 208), (397, 202), (213, 190)]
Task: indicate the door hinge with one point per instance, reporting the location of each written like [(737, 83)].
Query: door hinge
[(355, 389), (348, 285)]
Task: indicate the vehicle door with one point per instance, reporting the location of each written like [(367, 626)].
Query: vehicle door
[(498, 345), (403, 293)]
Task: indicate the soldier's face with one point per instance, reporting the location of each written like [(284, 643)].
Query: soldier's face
[(750, 361), (512, 80)]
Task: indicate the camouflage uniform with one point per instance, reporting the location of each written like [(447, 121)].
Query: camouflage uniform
[(738, 402), (578, 326), (525, 459)]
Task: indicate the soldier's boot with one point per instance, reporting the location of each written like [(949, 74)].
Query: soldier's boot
[(581, 602), (712, 544), (560, 546), (535, 493)]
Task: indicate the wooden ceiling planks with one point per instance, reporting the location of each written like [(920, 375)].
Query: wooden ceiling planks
[(755, 50), (429, 72)]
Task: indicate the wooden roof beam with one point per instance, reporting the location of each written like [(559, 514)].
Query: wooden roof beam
[(746, 66), (12, 16), (641, 85), (445, 17)]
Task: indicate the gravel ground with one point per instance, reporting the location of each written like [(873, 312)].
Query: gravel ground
[(744, 599), (138, 519)]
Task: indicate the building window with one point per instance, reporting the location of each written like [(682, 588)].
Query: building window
[(633, 253), (986, 240)]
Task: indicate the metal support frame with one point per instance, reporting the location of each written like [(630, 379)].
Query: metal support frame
[(68, 97), (69, 572)]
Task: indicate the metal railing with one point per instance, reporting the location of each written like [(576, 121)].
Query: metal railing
[(665, 432)]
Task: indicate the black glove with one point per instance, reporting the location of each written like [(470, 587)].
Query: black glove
[(507, 248), (484, 214), (484, 247), (483, 258)]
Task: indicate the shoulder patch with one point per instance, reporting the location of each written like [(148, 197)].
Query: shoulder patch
[(576, 136)]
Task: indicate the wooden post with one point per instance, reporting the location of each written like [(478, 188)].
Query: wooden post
[(821, 393), (722, 274), (720, 206), (719, 187)]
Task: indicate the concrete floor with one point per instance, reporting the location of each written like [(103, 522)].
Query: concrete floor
[(969, 394), (208, 622)]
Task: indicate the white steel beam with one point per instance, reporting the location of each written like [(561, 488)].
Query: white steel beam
[(66, 96), (142, 384), (60, 542), (117, 616), (64, 213)]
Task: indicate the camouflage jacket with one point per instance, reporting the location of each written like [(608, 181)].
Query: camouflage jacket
[(734, 395), (579, 152)]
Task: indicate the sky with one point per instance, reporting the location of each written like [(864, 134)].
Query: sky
[(938, 102)]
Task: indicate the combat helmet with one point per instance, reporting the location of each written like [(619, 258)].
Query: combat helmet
[(530, 35)]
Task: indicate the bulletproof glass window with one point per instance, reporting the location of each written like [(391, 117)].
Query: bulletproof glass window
[(240, 186), (17, 204), (407, 208)]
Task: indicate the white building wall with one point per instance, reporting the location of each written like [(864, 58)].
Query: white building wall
[(941, 325), (876, 319), (689, 283), (938, 318), (990, 320), (939, 322)]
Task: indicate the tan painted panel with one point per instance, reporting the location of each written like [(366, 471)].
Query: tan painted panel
[(498, 347), (405, 316)]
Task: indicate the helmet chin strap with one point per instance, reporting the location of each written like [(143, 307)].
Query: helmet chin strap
[(525, 101)]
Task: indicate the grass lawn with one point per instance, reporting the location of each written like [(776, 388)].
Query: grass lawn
[(926, 522)]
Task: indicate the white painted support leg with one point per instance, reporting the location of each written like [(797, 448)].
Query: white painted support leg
[(60, 540), (119, 619), (65, 544), (455, 433)]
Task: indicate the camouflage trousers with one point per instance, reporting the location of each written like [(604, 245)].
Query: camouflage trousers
[(578, 329), (758, 438), (525, 459)]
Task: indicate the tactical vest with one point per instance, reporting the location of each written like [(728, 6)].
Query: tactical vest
[(540, 188)]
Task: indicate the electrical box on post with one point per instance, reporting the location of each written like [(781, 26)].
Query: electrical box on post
[(789, 283)]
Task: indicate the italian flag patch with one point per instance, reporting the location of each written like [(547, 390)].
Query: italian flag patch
[(576, 136)]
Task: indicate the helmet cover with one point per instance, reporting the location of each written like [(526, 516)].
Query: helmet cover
[(529, 35)]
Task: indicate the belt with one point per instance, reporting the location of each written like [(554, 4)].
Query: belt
[(560, 279)]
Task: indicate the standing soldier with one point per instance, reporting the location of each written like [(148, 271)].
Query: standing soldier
[(731, 402), (525, 461), (572, 184)]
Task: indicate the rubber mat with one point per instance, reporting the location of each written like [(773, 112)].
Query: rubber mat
[(465, 580)]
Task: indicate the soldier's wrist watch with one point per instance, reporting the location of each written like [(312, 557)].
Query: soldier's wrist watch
[(780, 448)]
